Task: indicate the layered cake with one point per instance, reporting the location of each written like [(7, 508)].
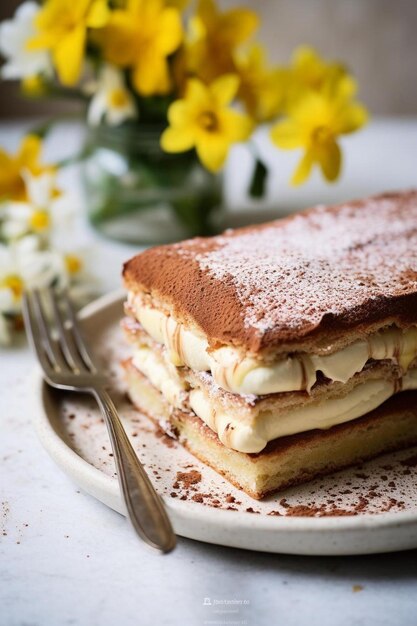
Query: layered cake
[(282, 351)]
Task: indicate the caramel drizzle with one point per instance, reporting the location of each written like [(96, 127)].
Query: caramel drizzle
[(174, 339), (398, 385), (303, 373)]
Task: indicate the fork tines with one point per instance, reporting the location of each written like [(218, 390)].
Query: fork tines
[(54, 333)]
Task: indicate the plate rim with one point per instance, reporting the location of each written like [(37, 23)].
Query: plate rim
[(57, 448)]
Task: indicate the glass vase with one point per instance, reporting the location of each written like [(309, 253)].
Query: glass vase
[(137, 193)]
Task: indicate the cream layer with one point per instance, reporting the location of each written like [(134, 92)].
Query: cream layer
[(252, 435), (248, 375)]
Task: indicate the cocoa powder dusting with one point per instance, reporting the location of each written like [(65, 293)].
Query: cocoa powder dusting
[(326, 269), (187, 478), (165, 436)]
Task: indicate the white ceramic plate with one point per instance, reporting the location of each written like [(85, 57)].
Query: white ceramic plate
[(363, 510)]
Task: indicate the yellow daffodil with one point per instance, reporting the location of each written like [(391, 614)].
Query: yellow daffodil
[(12, 168), (141, 37), (262, 89), (310, 71), (215, 37), (204, 120), (315, 123), (62, 29)]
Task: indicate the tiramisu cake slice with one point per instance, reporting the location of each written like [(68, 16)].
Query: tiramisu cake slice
[(282, 351)]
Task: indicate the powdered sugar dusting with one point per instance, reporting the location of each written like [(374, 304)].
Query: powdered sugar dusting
[(327, 261)]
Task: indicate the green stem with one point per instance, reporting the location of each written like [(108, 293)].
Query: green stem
[(260, 174), (259, 178)]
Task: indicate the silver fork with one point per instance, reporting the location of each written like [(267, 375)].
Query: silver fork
[(67, 364)]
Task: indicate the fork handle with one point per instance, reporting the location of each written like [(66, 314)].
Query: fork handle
[(144, 507)]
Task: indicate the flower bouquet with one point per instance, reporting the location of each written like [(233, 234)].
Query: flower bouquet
[(35, 221), (169, 87)]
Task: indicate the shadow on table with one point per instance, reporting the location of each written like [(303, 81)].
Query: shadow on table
[(374, 567)]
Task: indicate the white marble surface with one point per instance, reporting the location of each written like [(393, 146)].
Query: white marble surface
[(67, 559)]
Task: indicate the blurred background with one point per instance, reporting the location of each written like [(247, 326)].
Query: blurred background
[(376, 38)]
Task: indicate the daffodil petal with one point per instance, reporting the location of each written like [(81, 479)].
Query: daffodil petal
[(330, 159), (303, 54), (151, 75), (212, 152), (177, 139), (286, 135), (346, 87), (4, 161), (178, 113), (178, 4), (235, 126), (225, 88), (206, 11), (30, 149), (114, 39), (239, 24), (68, 56), (303, 169), (170, 31), (311, 110), (352, 119), (41, 41), (98, 14), (196, 91), (257, 56)]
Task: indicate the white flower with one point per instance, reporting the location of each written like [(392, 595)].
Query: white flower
[(111, 99), (37, 214), (38, 267), (25, 264), (11, 287), (14, 35), (82, 285), (10, 282)]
